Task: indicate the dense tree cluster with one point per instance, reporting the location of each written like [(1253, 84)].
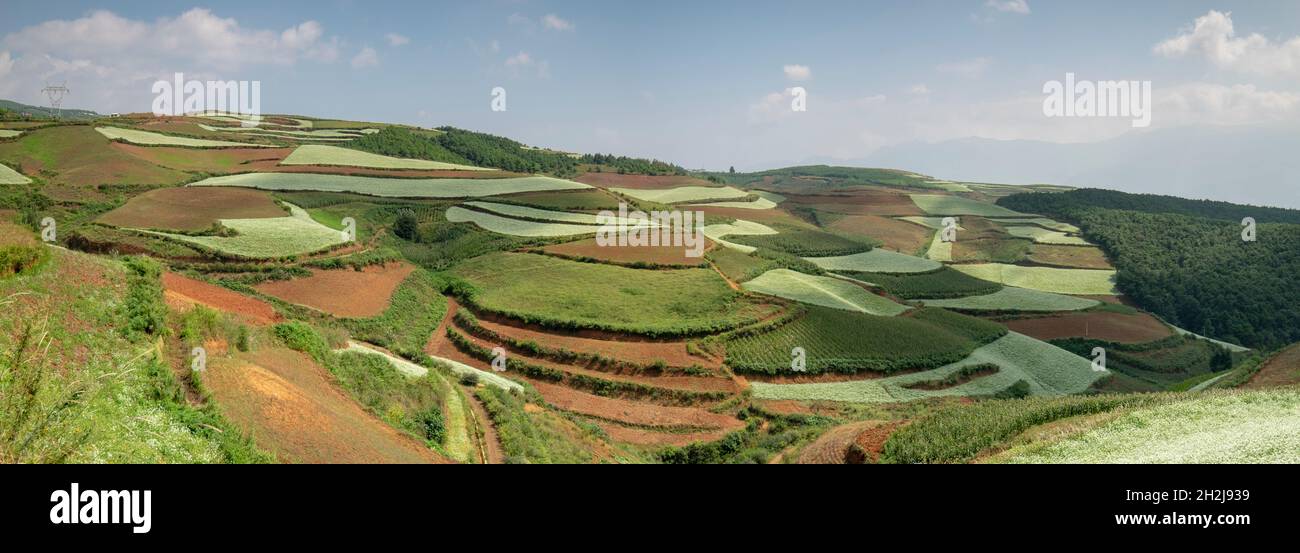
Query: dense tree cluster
[(632, 165), (1186, 261), (453, 145)]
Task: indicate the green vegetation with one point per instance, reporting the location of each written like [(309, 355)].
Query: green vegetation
[(1162, 364), (838, 341), (276, 237), (146, 138), (572, 295), (9, 176), (682, 194), (533, 213), (943, 283), (589, 200), (530, 437), (823, 291), (805, 242), (818, 178), (1044, 236), (877, 261), (516, 227), (1014, 299), (485, 150), (630, 165), (935, 204), (413, 313), (1045, 279), (1193, 271), (392, 187), (313, 154)]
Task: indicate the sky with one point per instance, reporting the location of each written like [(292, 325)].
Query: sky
[(702, 84)]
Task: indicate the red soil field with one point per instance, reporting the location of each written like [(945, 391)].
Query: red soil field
[(1102, 325), (641, 182), (183, 291), (632, 412), (663, 255), (764, 216), (343, 292), (192, 208), (77, 155), (832, 448), (211, 160), (672, 353), (1282, 370), (642, 437), (292, 408), (900, 236), (1081, 257), (861, 202)]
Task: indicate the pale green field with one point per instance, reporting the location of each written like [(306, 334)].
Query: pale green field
[(1040, 221), (259, 131), (1044, 236), (534, 213), (760, 203), (739, 228), (1015, 299), (7, 133), (146, 138), (9, 176), (516, 227), (1236, 427), (877, 261), (936, 204), (683, 194), (939, 250), (393, 188), (316, 154), (770, 196), (1049, 371), (267, 238), (260, 119), (823, 291), (932, 222), (1046, 279)]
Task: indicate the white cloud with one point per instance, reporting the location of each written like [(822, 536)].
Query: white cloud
[(6, 64), (495, 46), (555, 23), (367, 57), (523, 60), (1009, 6), (919, 89), (1214, 37), (520, 59), (1216, 104), (966, 68), (797, 72), (395, 39)]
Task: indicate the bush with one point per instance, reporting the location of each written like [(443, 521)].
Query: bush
[(406, 226)]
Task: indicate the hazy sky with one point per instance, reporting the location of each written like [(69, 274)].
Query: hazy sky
[(700, 83)]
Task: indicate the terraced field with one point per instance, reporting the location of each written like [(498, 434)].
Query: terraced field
[(1014, 299), (146, 138), (9, 176), (191, 209), (877, 261), (823, 291), (1044, 236), (737, 228), (266, 238), (1046, 279), (682, 194), (934, 204), (524, 212), (516, 227), (395, 187), (313, 154)]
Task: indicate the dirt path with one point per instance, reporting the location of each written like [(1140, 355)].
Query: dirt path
[(489, 443), (832, 448)]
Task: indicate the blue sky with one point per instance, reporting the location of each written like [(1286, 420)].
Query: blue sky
[(698, 83)]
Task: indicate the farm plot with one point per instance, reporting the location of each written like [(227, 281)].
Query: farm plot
[(893, 234), (587, 200), (77, 155), (858, 202), (1045, 279), (641, 182), (314, 134), (939, 250), (801, 241), (315, 154), (823, 291), (937, 204), (191, 209), (1076, 257), (1044, 236), (9, 176), (1046, 369), (564, 294), (683, 194), (760, 203), (1040, 221), (942, 283), (877, 261), (1124, 328), (213, 160), (534, 213), (342, 292), (515, 227), (837, 341), (1240, 427), (627, 255), (266, 238), (7, 133), (392, 188), (182, 292), (147, 138), (738, 228), (1014, 299)]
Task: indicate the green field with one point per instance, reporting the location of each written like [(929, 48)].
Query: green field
[(936, 204), (683, 194), (1045, 279), (804, 242), (573, 295), (877, 261), (1240, 427), (1040, 221), (260, 131), (760, 203), (146, 138), (837, 341), (1044, 236), (7, 133), (266, 238), (586, 200), (314, 154), (515, 227), (534, 213), (942, 283), (823, 291), (1047, 369), (738, 228), (1015, 299), (9, 176), (393, 188)]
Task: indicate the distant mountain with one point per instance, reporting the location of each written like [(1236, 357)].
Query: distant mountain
[(1251, 165), (39, 112)]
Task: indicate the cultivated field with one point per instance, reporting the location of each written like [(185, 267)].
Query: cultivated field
[(629, 255), (1040, 221), (1126, 328), (79, 156), (534, 213), (147, 138), (823, 291), (1044, 236), (313, 154), (942, 283), (515, 227), (737, 228), (877, 261), (896, 235), (396, 188), (8, 133), (9, 176), (191, 209), (1069, 256), (267, 238), (342, 292), (760, 203), (1045, 279), (683, 194), (934, 204), (1015, 299)]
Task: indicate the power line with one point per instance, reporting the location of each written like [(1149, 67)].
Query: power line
[(56, 95)]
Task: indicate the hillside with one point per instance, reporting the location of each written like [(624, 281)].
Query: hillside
[(24, 111)]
